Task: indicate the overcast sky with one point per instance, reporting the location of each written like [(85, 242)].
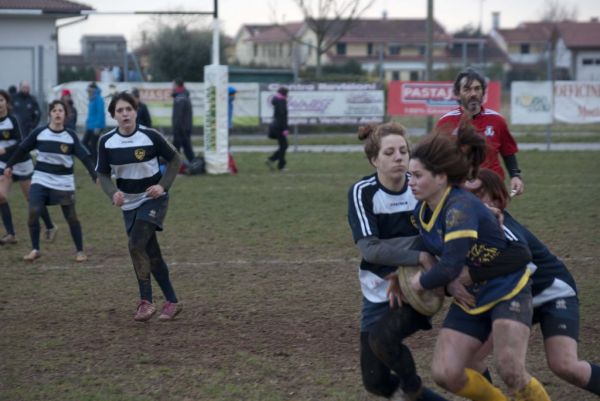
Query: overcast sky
[(452, 14)]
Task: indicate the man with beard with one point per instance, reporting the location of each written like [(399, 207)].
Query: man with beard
[(469, 88), (26, 108)]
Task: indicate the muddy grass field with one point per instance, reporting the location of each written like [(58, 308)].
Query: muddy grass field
[(265, 267)]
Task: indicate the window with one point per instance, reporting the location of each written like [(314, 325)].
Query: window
[(369, 48), (525, 48), (255, 50), (394, 50), (340, 49), (414, 75), (395, 75), (422, 50), (587, 61)]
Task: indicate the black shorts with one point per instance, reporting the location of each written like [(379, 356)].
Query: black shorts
[(17, 177), (559, 317), (153, 211), (519, 308), (40, 196)]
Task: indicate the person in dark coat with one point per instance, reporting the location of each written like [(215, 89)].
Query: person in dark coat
[(279, 129), (71, 119), (26, 108), (143, 114), (181, 119)]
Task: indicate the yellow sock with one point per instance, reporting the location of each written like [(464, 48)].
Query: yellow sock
[(533, 391), (478, 388)]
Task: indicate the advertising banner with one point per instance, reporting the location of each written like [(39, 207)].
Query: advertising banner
[(577, 102), (157, 96), (216, 139), (531, 102), (327, 103), (431, 98)]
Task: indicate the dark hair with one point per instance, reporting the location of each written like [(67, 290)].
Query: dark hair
[(492, 184), (459, 157), (178, 81), (56, 102), (92, 85), (372, 135), (471, 75), (6, 97), (135, 92), (283, 91), (124, 96)]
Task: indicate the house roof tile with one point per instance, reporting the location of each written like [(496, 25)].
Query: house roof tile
[(51, 6)]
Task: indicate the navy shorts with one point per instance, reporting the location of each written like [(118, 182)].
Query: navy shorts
[(372, 312), (519, 308), (40, 196), (153, 211), (559, 317)]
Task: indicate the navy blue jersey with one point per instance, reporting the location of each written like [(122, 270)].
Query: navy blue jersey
[(10, 138), (133, 159), (551, 278), (54, 162), (463, 231)]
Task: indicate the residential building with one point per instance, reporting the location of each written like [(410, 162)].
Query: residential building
[(28, 38)]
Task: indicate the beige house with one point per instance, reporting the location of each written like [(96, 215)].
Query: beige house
[(397, 45)]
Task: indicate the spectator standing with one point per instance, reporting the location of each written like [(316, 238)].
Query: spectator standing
[(181, 119), (231, 92), (470, 88), (95, 122), (26, 108), (71, 119), (143, 115), (279, 129)]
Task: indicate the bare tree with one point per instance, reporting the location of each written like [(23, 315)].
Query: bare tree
[(557, 10), (329, 20)]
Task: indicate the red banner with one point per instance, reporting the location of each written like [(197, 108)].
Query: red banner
[(415, 98)]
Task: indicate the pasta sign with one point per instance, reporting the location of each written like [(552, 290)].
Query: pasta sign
[(431, 98)]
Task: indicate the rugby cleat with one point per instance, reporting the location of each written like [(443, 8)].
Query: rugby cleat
[(8, 239), (81, 257), (31, 256), (50, 233), (169, 311), (145, 311)]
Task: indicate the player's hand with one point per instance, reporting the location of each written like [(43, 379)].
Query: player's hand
[(516, 186), (2, 151), (155, 191), (393, 292), (497, 213), (286, 132), (118, 198), (460, 293), (8, 172), (415, 283), (427, 260), (464, 277)]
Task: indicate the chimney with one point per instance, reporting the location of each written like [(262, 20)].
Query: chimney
[(384, 15), (594, 19), (496, 20)]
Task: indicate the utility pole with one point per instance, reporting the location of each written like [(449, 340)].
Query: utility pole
[(429, 55)]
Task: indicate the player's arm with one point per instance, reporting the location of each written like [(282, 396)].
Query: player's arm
[(389, 252)]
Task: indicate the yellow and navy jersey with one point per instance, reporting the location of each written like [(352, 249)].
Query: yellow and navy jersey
[(375, 211), (551, 279), (463, 231), (134, 160), (10, 138), (54, 164)]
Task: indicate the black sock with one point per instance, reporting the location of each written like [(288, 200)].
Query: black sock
[(593, 385), (7, 218)]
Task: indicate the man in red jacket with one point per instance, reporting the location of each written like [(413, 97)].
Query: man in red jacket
[(469, 88)]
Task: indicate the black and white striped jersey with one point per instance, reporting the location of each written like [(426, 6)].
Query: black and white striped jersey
[(10, 138), (54, 161), (133, 159), (374, 211)]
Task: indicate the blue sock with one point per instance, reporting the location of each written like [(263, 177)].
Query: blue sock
[(429, 395), (7, 218), (593, 385)]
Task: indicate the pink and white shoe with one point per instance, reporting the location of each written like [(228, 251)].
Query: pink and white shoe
[(169, 311), (145, 311)]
